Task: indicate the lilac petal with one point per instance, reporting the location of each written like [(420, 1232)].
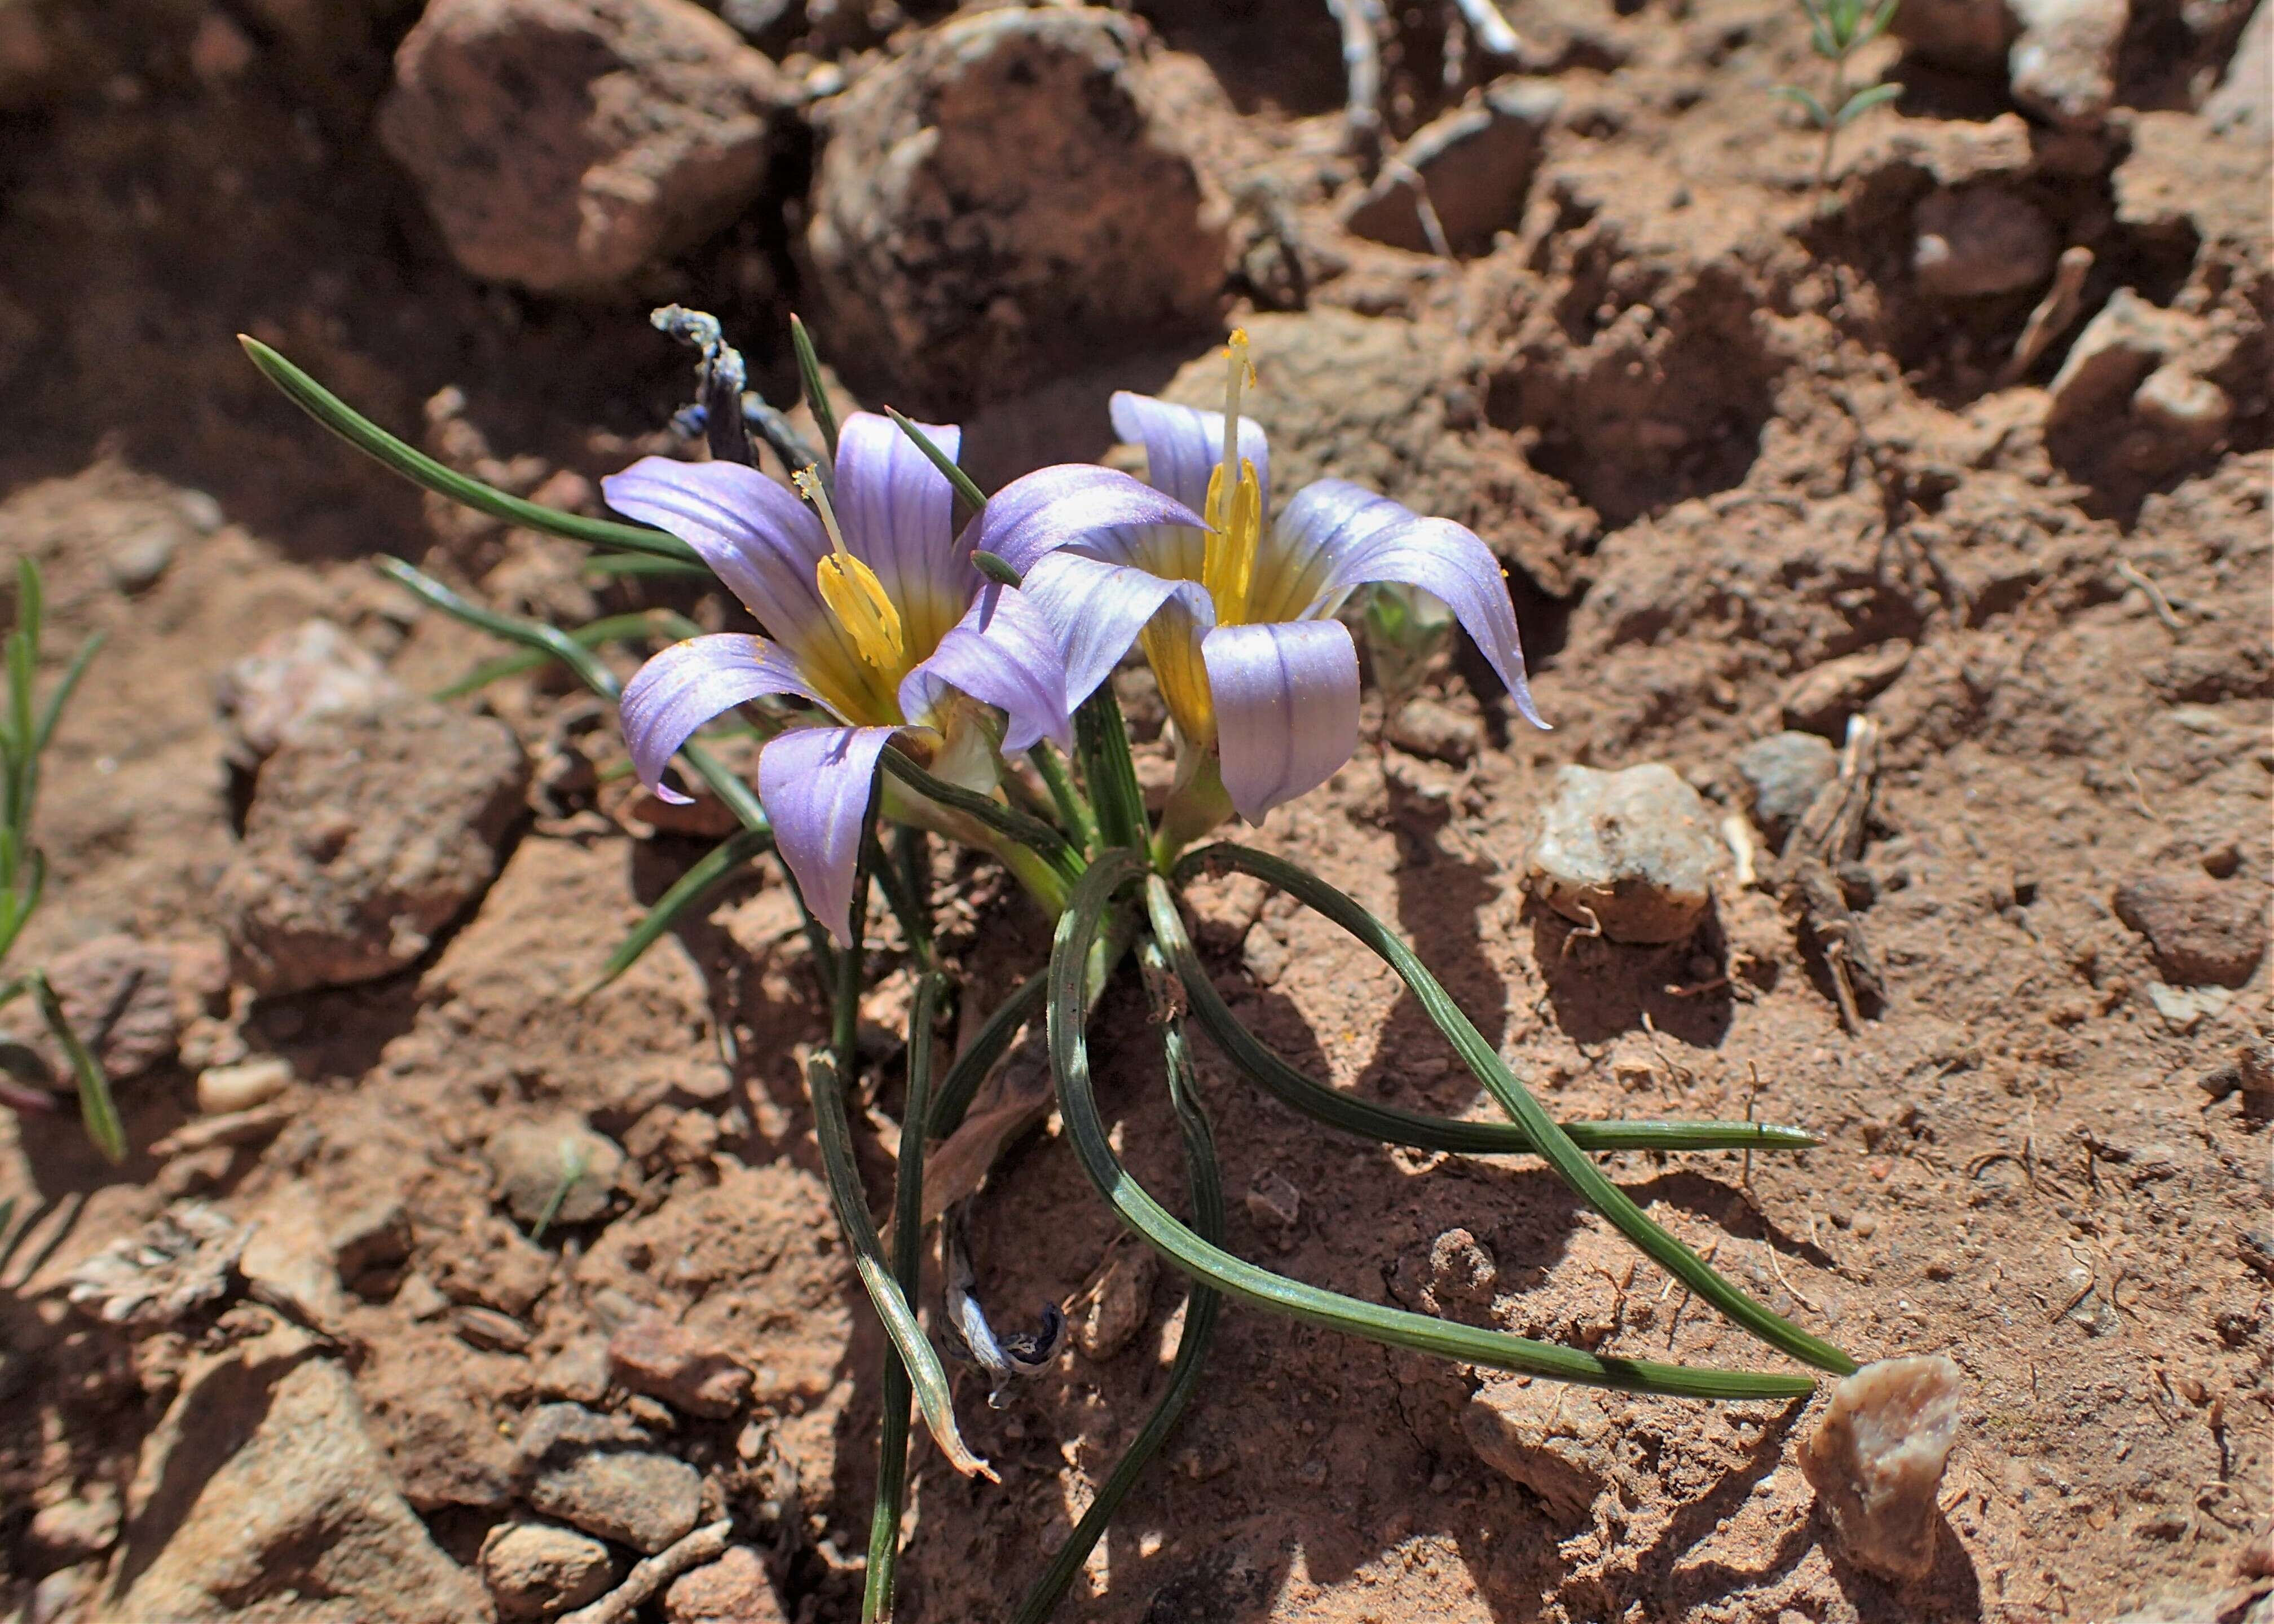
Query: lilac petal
[(1071, 505), (757, 537), (814, 784), (898, 514), (688, 684), (1183, 444), (1096, 609), (1335, 536), (1002, 653), (1286, 707)]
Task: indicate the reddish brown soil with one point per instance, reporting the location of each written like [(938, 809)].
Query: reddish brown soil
[(1691, 412)]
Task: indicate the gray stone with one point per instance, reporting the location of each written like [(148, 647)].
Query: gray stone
[(138, 559), (260, 1497), (1554, 1438), (1426, 726), (592, 1471), (365, 837), (534, 1571), (996, 198), (271, 696), (2064, 62), (565, 144), (1876, 1460), (1981, 241), (1476, 162), (1633, 852), (530, 1159), (1781, 775)]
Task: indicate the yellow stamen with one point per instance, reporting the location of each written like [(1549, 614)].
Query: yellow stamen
[(1235, 516), (853, 592)]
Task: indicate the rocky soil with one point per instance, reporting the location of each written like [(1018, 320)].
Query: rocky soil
[(1946, 495)]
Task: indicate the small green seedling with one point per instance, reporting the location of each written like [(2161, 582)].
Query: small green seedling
[(26, 727), (1837, 30)]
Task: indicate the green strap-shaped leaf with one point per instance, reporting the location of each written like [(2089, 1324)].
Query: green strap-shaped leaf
[(1259, 1288), (421, 469), (907, 1260), (1074, 815), (610, 628), (817, 394), (1102, 739), (1554, 1145), (1390, 1124), (1203, 1307), (965, 487)]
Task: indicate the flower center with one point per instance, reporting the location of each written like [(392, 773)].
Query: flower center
[(1235, 503), (853, 593)]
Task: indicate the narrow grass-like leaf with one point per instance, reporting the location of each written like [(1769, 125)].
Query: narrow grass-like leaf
[(96, 1109), (907, 1260), (1553, 1145), (1260, 1287), (1863, 100), (551, 640), (1103, 739), (591, 635), (421, 469), (926, 1374), (987, 1047), (53, 712), (965, 487), (642, 564), (1074, 815), (688, 889), (1203, 1307), (1390, 1124), (1011, 825), (817, 393)]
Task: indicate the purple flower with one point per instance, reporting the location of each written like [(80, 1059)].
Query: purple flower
[(872, 610), (1236, 618)]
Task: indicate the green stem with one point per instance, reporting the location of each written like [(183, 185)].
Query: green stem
[(907, 1257), (1203, 1307), (1103, 739), (1074, 811), (1554, 1145), (1260, 1287)]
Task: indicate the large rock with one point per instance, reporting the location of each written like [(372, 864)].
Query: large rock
[(1476, 162), (998, 202), (117, 994), (2064, 63), (260, 1501), (2132, 396), (734, 1590), (1633, 853), (364, 840), (2204, 932), (1876, 1460), (564, 144), (291, 680), (590, 1471), (1554, 1438)]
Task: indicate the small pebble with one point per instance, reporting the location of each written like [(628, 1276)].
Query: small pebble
[(1632, 853), (652, 1356), (1875, 1459), (734, 1590), (534, 1569), (533, 1161), (1781, 775), (239, 1087), (2202, 932), (136, 560)]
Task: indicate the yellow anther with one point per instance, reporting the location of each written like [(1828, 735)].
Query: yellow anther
[(852, 591)]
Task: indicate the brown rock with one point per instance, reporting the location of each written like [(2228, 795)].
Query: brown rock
[(564, 144), (72, 1531), (2201, 931), (259, 1493), (535, 1161), (1476, 162), (1971, 34), (664, 1361), (1821, 699), (1981, 241), (365, 837), (993, 202), (534, 1571), (1550, 1436), (1876, 1460), (117, 993), (590, 1470), (2243, 104), (1426, 726), (2064, 62), (1118, 1309), (734, 1590)]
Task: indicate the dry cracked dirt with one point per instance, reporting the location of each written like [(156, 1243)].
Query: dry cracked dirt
[(1974, 449)]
